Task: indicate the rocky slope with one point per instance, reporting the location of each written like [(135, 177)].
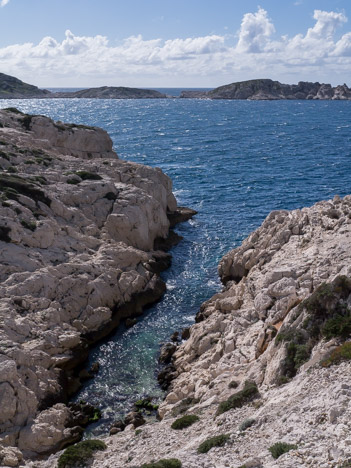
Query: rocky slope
[(13, 88), (265, 89), (269, 359), (77, 233)]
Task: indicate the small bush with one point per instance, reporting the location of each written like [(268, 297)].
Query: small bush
[(341, 353), (216, 441), (85, 175), (233, 384), (338, 326), (29, 225), (239, 399), (279, 448), (246, 424), (80, 453), (164, 463), (184, 421)]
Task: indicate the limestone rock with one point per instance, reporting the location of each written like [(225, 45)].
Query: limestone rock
[(77, 231)]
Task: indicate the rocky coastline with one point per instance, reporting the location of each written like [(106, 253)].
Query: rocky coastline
[(78, 229), (262, 380)]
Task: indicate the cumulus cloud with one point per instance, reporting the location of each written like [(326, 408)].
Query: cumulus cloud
[(4, 2), (198, 61), (255, 31)]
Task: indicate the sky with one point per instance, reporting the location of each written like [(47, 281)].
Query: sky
[(167, 43)]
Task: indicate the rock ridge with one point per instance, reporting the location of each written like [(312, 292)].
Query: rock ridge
[(77, 233)]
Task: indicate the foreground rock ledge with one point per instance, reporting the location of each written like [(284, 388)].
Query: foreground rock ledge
[(77, 231), (267, 326)]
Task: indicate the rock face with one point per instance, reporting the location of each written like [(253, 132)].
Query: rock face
[(77, 230), (13, 88), (266, 89), (269, 359)]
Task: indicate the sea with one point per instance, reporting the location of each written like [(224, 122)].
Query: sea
[(233, 162)]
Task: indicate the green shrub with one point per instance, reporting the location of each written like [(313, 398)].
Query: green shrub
[(341, 353), (246, 424), (216, 441), (233, 384), (239, 399), (80, 454), (337, 326), (72, 181), (279, 448), (85, 175), (184, 421), (164, 463), (29, 225)]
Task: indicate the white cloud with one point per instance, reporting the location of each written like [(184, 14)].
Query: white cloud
[(199, 61), (4, 2), (255, 31)]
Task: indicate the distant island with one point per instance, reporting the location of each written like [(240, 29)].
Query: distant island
[(265, 89), (261, 89), (13, 88)]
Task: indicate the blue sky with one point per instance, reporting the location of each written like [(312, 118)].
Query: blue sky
[(154, 43)]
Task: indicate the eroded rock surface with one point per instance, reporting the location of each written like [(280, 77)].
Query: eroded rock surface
[(77, 230)]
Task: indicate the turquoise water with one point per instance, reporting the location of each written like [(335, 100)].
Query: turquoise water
[(234, 162)]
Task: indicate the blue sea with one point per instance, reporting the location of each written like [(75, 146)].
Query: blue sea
[(232, 161)]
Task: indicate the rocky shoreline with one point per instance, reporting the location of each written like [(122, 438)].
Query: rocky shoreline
[(263, 379), (78, 228)]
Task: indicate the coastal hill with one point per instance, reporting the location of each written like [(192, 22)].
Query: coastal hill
[(13, 88), (265, 89)]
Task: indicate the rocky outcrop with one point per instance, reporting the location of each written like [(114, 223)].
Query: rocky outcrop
[(269, 358), (13, 88), (265, 89), (77, 232)]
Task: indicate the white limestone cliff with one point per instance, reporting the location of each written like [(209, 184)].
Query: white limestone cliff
[(77, 229)]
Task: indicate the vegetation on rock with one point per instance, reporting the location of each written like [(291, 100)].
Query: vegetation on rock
[(239, 399), (341, 353), (279, 448), (164, 463), (246, 424), (216, 441), (79, 454), (184, 421)]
